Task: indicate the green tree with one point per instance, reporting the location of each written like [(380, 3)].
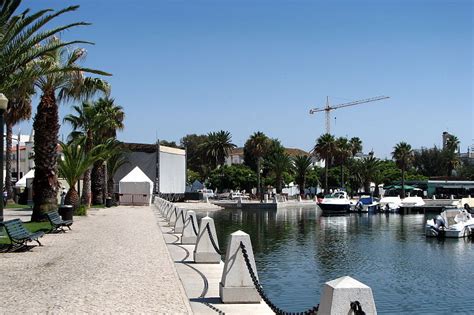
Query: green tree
[(356, 145), (429, 162), (370, 167), (195, 155), (110, 117), (64, 81), (301, 167), (76, 160), (343, 151), (324, 149), (23, 40), (278, 164), (218, 146), (19, 109), (403, 156), (254, 150), (451, 154), (236, 177)]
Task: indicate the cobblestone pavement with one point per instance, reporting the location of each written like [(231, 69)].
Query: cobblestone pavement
[(113, 261)]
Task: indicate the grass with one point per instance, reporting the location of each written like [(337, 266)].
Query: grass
[(97, 206), (30, 226)]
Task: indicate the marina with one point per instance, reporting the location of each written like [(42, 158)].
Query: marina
[(297, 250)]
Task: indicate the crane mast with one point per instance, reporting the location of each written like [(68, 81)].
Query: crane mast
[(328, 108)]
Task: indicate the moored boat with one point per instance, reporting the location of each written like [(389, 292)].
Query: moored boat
[(453, 223), (336, 203), (390, 204)]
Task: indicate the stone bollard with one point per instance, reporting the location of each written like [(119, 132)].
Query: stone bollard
[(172, 217), (275, 199), (204, 252), (338, 294), (239, 202), (434, 197), (236, 286), (265, 198), (179, 223), (206, 199), (189, 236), (299, 198)]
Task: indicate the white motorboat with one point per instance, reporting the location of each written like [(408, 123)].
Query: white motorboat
[(390, 204), (453, 223), (412, 201), (336, 203), (367, 204)]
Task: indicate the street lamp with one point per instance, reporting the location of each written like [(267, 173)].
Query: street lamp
[(3, 107), (260, 184)]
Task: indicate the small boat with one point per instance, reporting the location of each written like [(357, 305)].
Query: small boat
[(453, 223), (367, 204), (335, 203), (412, 201), (390, 204)]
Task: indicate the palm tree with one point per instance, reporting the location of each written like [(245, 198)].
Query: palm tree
[(217, 146), (254, 149), (84, 123), (114, 162), (22, 40), (64, 81), (342, 153), (76, 160), (19, 109), (370, 166), (324, 150), (451, 155), (356, 145), (403, 156), (301, 167), (110, 118), (278, 165)]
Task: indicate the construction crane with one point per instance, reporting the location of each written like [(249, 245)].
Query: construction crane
[(329, 108)]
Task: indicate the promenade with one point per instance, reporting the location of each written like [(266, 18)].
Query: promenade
[(113, 261)]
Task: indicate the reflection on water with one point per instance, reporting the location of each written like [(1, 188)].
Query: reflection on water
[(297, 251)]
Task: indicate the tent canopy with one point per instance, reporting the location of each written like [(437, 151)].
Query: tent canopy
[(136, 183), (22, 181)]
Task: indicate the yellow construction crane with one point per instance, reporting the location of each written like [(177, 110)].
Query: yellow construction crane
[(329, 108)]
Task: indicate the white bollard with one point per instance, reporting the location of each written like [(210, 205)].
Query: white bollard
[(265, 198), (299, 198), (275, 199), (172, 217), (236, 286), (239, 202), (204, 251), (338, 294), (452, 197), (179, 223), (206, 199), (189, 236)]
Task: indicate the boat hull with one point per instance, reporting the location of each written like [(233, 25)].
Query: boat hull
[(334, 209)]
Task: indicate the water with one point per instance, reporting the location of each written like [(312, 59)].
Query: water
[(297, 251)]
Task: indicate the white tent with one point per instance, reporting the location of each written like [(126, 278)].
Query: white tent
[(135, 188), (22, 181)]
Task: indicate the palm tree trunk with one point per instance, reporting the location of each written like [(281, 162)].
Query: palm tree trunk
[(403, 182), (326, 166), (97, 183), (45, 182), (86, 189), (72, 198), (342, 175), (8, 162), (110, 187)]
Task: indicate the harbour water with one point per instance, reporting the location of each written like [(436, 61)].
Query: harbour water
[(297, 250)]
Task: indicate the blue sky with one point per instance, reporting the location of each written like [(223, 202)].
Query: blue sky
[(182, 67)]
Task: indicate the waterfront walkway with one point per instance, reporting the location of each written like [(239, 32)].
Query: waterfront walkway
[(114, 260)]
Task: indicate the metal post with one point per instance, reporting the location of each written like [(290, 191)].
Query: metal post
[(18, 157), (3, 107)]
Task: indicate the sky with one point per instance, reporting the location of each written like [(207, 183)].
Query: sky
[(184, 67)]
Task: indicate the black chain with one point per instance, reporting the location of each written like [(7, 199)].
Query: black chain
[(192, 222), (262, 294), (213, 242)]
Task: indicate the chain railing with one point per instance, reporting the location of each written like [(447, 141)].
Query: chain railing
[(194, 227), (213, 242), (262, 294)]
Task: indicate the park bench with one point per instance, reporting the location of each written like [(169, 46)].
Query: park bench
[(57, 223), (19, 235)]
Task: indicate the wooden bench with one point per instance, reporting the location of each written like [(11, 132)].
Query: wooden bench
[(19, 235), (57, 223)]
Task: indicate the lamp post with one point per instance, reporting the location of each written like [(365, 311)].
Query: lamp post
[(261, 185), (3, 107)]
